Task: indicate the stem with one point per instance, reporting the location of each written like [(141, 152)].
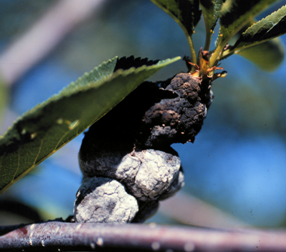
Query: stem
[(208, 40), (208, 33), (215, 56), (193, 51)]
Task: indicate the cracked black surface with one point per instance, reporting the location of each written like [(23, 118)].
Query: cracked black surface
[(152, 117)]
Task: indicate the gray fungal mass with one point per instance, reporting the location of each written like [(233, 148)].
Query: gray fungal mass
[(131, 144)]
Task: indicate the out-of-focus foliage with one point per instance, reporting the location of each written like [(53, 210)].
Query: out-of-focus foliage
[(268, 55)]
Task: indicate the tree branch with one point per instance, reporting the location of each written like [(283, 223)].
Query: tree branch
[(89, 236)]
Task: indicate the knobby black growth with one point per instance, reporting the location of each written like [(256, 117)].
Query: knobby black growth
[(131, 147), (155, 115)]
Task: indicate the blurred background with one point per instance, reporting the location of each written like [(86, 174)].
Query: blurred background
[(235, 171)]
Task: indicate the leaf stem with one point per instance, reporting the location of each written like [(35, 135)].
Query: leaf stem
[(208, 33), (215, 57), (192, 48), (208, 40)]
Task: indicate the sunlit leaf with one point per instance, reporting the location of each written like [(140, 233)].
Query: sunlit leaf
[(185, 12), (236, 13), (257, 43), (267, 28), (47, 127)]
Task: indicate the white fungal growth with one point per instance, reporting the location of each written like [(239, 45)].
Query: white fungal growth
[(115, 187), (103, 200), (146, 174)]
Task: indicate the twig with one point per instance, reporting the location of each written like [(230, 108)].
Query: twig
[(89, 236)]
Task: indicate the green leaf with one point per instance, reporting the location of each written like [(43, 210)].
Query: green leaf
[(267, 28), (267, 55), (258, 43), (211, 11), (50, 125), (185, 12), (236, 13)]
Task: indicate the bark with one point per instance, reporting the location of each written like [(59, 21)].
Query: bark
[(60, 236)]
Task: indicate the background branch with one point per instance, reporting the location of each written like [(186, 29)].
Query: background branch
[(44, 36), (203, 214)]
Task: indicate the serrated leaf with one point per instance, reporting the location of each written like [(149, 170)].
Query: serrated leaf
[(266, 54), (185, 12), (236, 13), (211, 11), (267, 28), (126, 63), (50, 125)]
